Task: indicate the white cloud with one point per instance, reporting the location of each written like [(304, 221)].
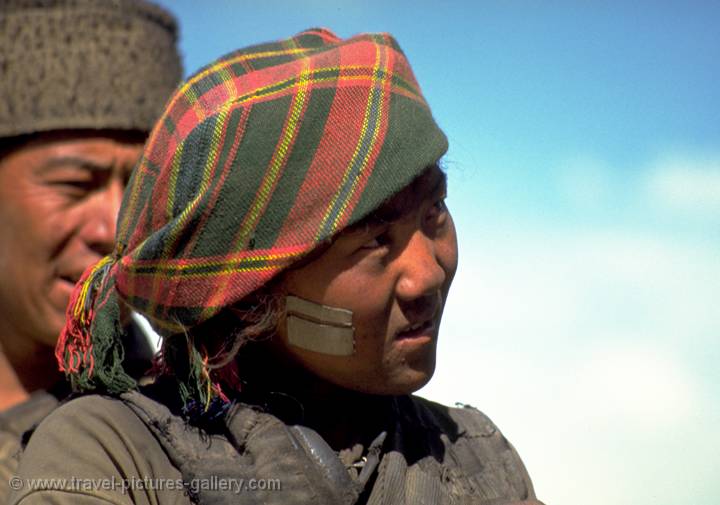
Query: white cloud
[(586, 351), (574, 288), (579, 425), (634, 388), (584, 182), (686, 183)]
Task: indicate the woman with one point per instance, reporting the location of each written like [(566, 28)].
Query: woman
[(286, 232)]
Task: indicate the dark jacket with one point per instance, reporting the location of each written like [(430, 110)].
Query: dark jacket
[(134, 449)]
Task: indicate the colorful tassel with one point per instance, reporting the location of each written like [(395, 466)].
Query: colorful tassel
[(74, 351)]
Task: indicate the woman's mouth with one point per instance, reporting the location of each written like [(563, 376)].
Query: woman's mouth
[(417, 330)]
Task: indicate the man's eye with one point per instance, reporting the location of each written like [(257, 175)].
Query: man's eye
[(75, 187), (77, 183)]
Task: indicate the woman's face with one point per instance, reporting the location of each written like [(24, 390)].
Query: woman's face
[(393, 271)]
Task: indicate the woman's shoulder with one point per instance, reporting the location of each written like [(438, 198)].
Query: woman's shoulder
[(93, 448), (476, 443), (461, 420)]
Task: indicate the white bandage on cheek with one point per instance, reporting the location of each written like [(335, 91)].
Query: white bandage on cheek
[(319, 328)]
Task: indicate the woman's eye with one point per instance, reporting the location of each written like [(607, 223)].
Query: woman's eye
[(376, 242), (437, 214), (438, 209), (440, 205)]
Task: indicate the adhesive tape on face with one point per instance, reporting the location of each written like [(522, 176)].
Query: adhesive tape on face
[(319, 328)]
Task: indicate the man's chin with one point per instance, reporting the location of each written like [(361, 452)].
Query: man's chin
[(51, 327), (49, 338)]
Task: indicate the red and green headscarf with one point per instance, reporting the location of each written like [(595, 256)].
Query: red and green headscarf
[(258, 158)]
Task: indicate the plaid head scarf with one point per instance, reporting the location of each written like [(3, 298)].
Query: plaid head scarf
[(258, 158)]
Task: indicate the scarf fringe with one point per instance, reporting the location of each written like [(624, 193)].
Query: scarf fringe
[(74, 350)]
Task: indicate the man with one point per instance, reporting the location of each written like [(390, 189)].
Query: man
[(73, 119)]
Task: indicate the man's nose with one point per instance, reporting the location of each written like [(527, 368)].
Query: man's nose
[(99, 229), (421, 274)]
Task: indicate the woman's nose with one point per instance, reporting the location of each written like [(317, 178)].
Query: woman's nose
[(421, 274)]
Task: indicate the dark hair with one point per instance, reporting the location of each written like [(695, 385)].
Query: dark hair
[(10, 144), (202, 359)]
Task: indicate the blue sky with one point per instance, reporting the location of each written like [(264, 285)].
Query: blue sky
[(584, 174)]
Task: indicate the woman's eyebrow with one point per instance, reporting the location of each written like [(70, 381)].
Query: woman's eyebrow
[(378, 218), (386, 214), (429, 185)]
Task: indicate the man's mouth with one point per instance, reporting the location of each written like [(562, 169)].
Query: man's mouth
[(69, 279)]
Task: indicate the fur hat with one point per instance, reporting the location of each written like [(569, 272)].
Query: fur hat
[(77, 64)]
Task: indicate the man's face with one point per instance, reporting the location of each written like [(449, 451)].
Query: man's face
[(59, 198), (393, 271)]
